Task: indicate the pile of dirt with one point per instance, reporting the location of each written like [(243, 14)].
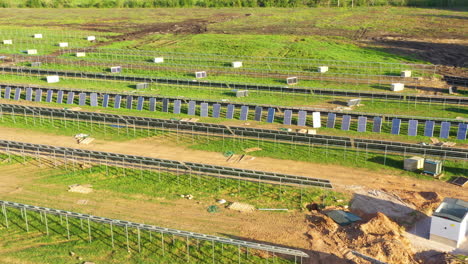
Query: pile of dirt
[(77, 188), (241, 207), (425, 202), (378, 238)]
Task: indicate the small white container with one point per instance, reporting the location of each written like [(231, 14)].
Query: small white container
[(53, 79), (237, 64)]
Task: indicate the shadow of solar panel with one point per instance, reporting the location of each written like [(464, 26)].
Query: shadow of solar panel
[(152, 104), (362, 124), (244, 114), (331, 120), (165, 105), (204, 109), (93, 99), (413, 128), (444, 129), (18, 94), (49, 96), (316, 122), (301, 118), (429, 129), (216, 110), (129, 102), (461, 133), (258, 113), (70, 97), (230, 111), (38, 97), (140, 103), (117, 101), (1, 92), (191, 107), (287, 117), (396, 123), (377, 126), (105, 100), (7, 94), (29, 92), (346, 122), (59, 97), (177, 106), (82, 99), (271, 115)]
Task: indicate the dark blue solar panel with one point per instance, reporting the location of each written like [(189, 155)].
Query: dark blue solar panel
[(105, 100), (82, 99), (216, 110), (244, 115), (331, 120), (271, 115), (445, 129), (29, 92), (191, 107), (258, 113), (152, 104), (140, 103), (461, 133), (362, 124), (204, 110), (230, 111), (377, 126), (287, 117), (129, 102), (346, 122), (49, 96), (70, 97), (165, 105), (413, 128), (17, 94), (117, 101), (302, 118), (93, 99), (7, 92), (38, 97), (59, 97), (177, 106), (396, 123), (429, 129)]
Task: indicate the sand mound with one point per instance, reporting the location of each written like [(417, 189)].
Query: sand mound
[(241, 207), (77, 188)]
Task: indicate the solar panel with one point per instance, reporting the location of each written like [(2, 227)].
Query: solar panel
[(117, 100), (49, 96), (93, 99), (17, 93), (331, 120), (258, 113), (302, 118), (38, 97), (396, 123), (230, 111), (59, 97), (287, 117), (140, 103), (177, 106), (152, 104), (244, 112), (7, 92), (129, 102), (204, 110), (461, 133), (444, 129), (191, 107), (429, 129), (271, 115), (316, 122), (216, 110), (105, 100), (82, 99), (29, 92), (165, 105), (70, 97), (362, 124), (346, 122), (377, 127), (413, 128)]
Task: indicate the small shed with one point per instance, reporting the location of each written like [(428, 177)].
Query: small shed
[(449, 222)]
